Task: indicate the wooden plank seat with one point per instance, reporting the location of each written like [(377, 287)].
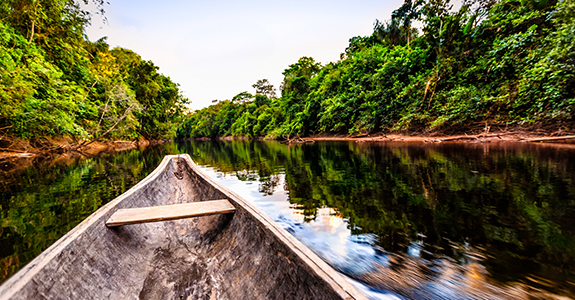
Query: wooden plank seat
[(169, 212)]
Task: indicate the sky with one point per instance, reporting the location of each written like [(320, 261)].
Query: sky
[(217, 49)]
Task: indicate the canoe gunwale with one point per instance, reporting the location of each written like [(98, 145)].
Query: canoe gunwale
[(333, 279), (21, 278), (345, 289)]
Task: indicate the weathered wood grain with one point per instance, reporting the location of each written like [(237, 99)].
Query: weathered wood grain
[(130, 216), (244, 255)]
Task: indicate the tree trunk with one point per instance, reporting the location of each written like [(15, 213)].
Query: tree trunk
[(31, 33)]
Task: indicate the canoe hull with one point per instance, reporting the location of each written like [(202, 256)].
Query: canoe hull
[(244, 255)]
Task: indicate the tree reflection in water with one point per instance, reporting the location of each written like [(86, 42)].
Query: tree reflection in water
[(41, 199), (423, 221), (401, 220)]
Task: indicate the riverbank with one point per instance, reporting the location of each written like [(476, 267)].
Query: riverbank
[(470, 133), (25, 149), (527, 137), (476, 138)]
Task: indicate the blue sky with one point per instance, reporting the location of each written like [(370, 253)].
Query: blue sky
[(217, 49)]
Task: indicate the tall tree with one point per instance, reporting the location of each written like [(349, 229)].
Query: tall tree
[(264, 87)]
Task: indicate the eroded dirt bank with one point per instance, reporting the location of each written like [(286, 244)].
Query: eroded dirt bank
[(25, 149), (477, 138)]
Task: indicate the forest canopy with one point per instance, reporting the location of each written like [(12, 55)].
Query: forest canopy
[(54, 82), (505, 62)]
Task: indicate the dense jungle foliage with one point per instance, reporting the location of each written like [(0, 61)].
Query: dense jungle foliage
[(489, 62), (54, 82)]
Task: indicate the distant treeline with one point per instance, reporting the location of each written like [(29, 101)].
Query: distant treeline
[(54, 82), (506, 62)]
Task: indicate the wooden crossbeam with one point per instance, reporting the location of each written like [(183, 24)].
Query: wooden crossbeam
[(169, 212)]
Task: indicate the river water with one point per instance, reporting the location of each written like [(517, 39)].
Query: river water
[(400, 221)]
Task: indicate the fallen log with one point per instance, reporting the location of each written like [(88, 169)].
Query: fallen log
[(475, 137), (554, 138), (454, 138)]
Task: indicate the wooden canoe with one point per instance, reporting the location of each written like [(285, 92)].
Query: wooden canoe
[(230, 251)]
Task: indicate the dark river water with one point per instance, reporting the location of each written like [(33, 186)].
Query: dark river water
[(400, 221)]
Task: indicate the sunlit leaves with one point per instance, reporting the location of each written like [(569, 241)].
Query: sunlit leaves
[(55, 83), (508, 61)]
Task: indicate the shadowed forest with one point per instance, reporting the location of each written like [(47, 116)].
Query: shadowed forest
[(488, 63)]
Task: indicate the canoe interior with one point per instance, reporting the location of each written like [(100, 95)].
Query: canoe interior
[(242, 255)]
